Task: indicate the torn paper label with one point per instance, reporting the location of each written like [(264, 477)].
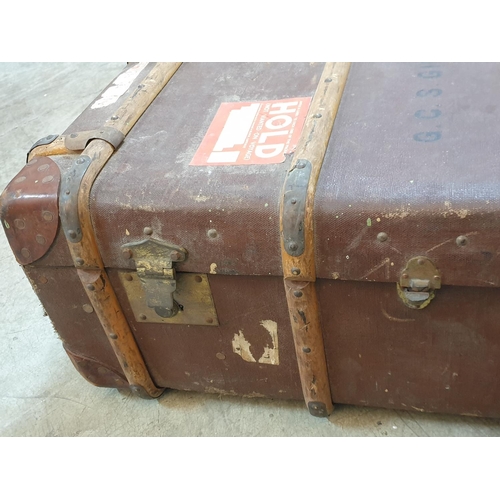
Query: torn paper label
[(241, 346), (121, 84), (270, 356)]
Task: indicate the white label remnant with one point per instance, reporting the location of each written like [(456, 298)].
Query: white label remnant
[(121, 84), (270, 356), (241, 346)]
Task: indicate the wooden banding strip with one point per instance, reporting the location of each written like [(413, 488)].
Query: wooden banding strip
[(85, 253), (312, 147), (57, 147), (299, 271)]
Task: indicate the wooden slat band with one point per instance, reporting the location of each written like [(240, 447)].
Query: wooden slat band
[(306, 327), (312, 147), (85, 253), (299, 271), (57, 147)]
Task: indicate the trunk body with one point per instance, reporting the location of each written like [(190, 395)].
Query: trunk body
[(410, 172)]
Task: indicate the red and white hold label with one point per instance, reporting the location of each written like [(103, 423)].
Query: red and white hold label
[(253, 133)]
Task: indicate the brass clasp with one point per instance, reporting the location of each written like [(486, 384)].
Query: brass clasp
[(418, 282)]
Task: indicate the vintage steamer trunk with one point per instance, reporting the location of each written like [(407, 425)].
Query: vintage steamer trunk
[(178, 240)]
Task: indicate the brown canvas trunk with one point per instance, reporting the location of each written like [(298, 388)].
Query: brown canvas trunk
[(405, 243)]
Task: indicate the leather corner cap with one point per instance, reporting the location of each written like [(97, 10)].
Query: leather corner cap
[(29, 209)]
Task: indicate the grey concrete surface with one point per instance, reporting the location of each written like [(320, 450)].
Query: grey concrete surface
[(41, 394)]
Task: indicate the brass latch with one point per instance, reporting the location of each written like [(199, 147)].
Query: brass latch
[(418, 282), (154, 261)]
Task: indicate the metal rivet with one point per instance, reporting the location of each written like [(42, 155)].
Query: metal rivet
[(382, 236), (47, 216), (79, 161), (114, 117), (295, 271), (142, 317), (43, 167), (43, 280), (461, 241), (212, 233), (328, 80), (317, 115), (437, 278), (79, 261), (19, 179), (72, 234), (297, 293), (31, 162), (300, 164), (148, 231), (175, 256), (306, 349), (220, 355), (198, 279), (88, 308), (113, 336), (91, 287), (293, 201), (19, 223), (293, 246), (6, 224), (40, 239), (68, 191), (209, 320), (49, 178), (405, 276), (127, 253), (421, 262), (25, 253), (128, 277)]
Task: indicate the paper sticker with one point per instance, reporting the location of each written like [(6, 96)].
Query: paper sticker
[(120, 85), (253, 133)]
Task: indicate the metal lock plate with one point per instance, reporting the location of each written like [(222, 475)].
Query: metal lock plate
[(418, 282), (192, 294), (158, 295)]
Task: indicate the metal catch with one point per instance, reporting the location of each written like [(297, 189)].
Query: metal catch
[(418, 282), (154, 262)]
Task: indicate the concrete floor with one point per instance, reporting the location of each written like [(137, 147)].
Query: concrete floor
[(41, 394)]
